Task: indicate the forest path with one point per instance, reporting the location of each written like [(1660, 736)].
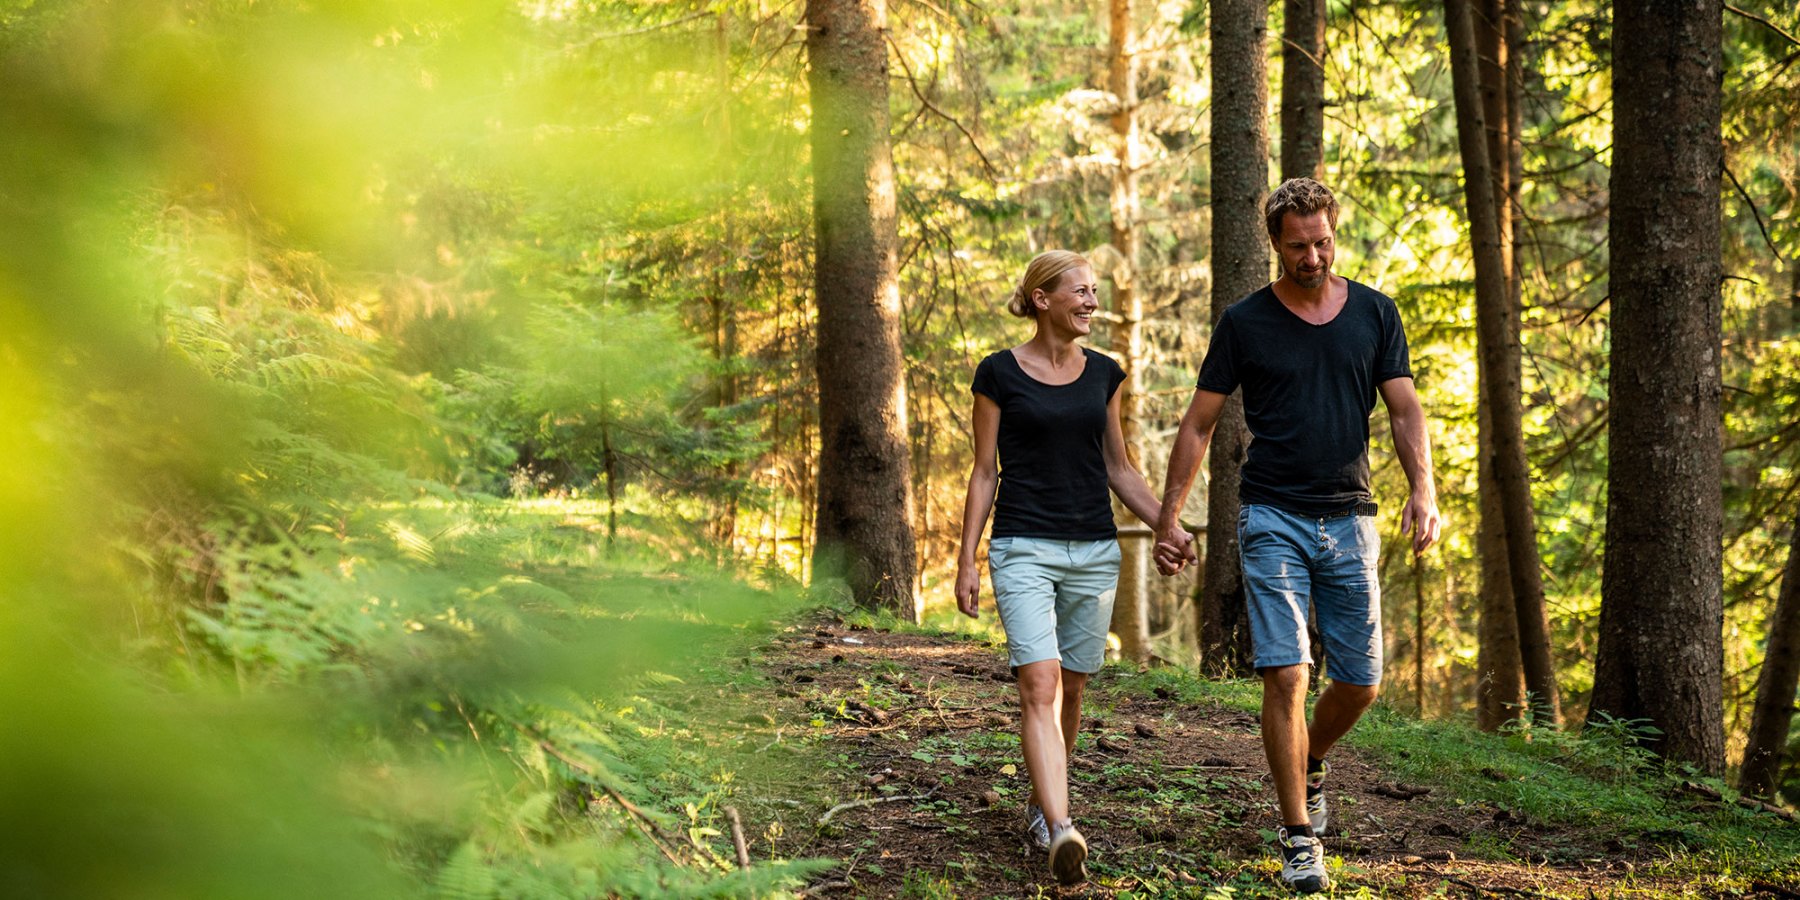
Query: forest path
[(1169, 787)]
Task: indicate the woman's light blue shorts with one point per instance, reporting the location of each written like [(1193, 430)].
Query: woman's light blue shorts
[(1293, 561), (1055, 598)]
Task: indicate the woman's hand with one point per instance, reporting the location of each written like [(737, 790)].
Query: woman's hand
[(968, 588), (1174, 550)]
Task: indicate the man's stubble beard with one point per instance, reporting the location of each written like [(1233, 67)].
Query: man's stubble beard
[(1312, 281)]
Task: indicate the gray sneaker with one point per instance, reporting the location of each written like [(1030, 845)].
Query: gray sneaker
[(1068, 855), (1303, 863), (1037, 830), (1315, 799)]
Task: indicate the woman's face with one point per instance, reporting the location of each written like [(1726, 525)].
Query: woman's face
[(1070, 307)]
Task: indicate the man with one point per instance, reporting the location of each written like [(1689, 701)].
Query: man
[(1311, 351)]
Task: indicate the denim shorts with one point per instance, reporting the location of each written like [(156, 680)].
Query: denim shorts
[(1055, 598), (1292, 561)]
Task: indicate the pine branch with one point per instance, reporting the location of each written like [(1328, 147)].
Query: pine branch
[(913, 83)]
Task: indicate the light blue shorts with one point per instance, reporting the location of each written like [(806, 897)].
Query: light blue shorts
[(1055, 598), (1291, 561)]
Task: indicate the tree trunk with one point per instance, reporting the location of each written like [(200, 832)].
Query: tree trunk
[(1131, 615), (1303, 89), (1500, 695), (1495, 320), (1500, 682), (864, 527), (1661, 654), (1240, 263), (1776, 685)]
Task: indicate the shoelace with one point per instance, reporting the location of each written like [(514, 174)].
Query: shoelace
[(1302, 853)]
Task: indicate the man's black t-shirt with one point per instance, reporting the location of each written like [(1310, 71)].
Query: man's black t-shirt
[(1308, 392), (1052, 467)]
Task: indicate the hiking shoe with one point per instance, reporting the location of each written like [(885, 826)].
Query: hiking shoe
[(1315, 799), (1303, 863), (1037, 831), (1068, 855)]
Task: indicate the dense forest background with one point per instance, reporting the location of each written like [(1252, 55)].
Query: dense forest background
[(319, 321)]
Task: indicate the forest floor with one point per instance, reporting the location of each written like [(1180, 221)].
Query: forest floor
[(917, 737)]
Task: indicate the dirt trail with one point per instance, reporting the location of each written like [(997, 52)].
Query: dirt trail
[(1172, 795)]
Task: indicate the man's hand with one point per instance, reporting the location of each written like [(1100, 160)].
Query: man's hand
[(1174, 549), (1420, 519), (968, 588)]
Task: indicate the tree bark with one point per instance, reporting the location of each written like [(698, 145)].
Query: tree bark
[(1495, 320), (864, 528), (1775, 685), (1500, 693), (1660, 656), (1240, 264), (1500, 680), (1131, 615), (1303, 89)]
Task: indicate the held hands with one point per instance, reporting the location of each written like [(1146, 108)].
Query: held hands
[(1174, 549), (968, 588), (1420, 519)]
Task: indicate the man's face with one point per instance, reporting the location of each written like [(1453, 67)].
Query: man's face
[(1305, 246)]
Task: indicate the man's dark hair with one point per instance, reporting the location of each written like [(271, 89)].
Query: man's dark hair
[(1302, 197)]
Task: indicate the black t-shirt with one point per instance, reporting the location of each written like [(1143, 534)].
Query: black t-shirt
[(1308, 392), (1052, 467)]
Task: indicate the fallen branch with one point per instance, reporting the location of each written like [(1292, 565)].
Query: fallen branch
[(871, 801), (936, 703), (645, 823), (1755, 805), (1499, 889), (737, 838), (777, 740)]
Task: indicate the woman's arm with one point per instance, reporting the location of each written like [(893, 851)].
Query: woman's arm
[(1123, 477), (984, 480)]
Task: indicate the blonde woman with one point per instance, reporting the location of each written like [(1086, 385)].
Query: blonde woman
[(1048, 446)]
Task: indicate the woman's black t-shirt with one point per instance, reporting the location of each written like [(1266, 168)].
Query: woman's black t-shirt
[(1052, 467)]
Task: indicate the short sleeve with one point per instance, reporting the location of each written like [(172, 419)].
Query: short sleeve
[(986, 383), (1219, 370), (1394, 360), (1115, 375)]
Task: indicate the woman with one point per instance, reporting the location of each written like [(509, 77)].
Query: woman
[(1051, 410)]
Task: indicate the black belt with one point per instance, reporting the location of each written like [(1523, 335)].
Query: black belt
[(1360, 509)]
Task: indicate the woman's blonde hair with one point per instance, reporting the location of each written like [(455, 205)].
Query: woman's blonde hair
[(1043, 273)]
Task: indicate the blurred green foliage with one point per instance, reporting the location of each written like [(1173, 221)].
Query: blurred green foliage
[(287, 291)]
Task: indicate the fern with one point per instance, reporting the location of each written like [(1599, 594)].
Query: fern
[(467, 876)]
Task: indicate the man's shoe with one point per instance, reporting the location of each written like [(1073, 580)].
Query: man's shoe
[(1303, 863), (1068, 855), (1315, 799), (1037, 831)]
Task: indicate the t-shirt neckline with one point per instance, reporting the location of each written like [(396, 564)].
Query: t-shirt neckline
[(1349, 289), (1087, 362)]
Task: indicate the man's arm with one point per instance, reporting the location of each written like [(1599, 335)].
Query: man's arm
[(1174, 546), (1406, 418)]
